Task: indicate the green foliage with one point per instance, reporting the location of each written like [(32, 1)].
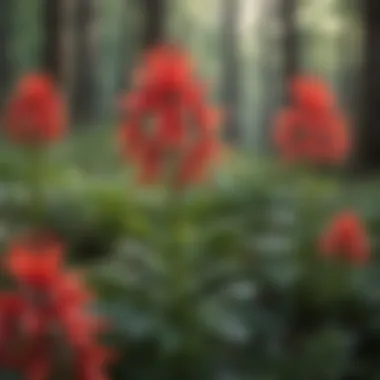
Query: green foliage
[(224, 281)]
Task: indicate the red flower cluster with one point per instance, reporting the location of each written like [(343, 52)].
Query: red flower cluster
[(167, 120), (36, 113), (45, 320), (347, 238), (312, 129)]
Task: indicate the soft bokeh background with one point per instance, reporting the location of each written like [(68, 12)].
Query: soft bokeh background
[(243, 41), (232, 286)]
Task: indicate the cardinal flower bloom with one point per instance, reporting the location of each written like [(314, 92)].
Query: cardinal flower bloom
[(35, 259), (15, 322), (48, 314), (36, 113), (312, 94), (167, 120), (346, 238), (312, 129)]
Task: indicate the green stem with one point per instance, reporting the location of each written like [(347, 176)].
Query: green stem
[(178, 265), (35, 183), (174, 250)]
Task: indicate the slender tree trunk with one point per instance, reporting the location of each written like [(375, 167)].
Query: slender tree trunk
[(6, 12), (269, 75), (52, 40), (369, 134), (68, 45), (155, 20), (290, 42), (124, 48), (85, 86), (127, 44), (230, 62)]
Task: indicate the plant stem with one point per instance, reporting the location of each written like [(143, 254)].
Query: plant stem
[(35, 183)]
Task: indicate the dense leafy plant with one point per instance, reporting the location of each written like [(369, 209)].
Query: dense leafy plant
[(243, 277)]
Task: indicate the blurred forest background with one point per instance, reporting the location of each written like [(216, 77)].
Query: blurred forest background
[(245, 49), (227, 282)]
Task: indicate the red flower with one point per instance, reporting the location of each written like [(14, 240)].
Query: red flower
[(171, 128), (312, 94), (35, 259), (90, 363), (38, 364), (312, 130), (346, 238), (168, 120), (166, 74), (38, 321), (36, 113), (15, 321)]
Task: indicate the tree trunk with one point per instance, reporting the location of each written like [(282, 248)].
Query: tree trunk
[(6, 11), (230, 62), (52, 43), (68, 46), (127, 44), (85, 86), (290, 42), (369, 134), (155, 21)]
